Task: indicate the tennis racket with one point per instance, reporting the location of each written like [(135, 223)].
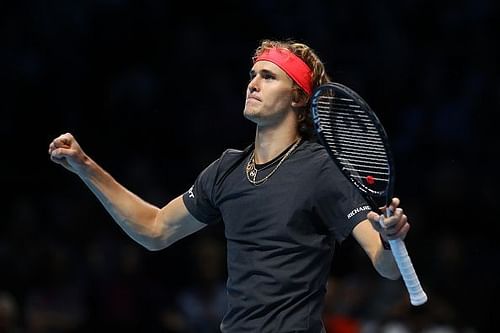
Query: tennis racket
[(356, 140)]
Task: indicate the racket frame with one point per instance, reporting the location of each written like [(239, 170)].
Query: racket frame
[(376, 198)]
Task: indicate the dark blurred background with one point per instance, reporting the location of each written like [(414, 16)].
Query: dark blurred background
[(154, 91)]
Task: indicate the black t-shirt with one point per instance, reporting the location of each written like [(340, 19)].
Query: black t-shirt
[(280, 235)]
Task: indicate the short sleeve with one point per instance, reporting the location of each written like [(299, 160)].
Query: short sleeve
[(199, 199), (338, 202)]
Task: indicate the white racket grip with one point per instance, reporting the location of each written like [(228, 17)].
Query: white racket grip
[(417, 294), (410, 278)]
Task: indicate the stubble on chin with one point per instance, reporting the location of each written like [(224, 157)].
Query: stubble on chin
[(250, 112)]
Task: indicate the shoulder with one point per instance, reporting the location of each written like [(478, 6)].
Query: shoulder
[(228, 156), (312, 147), (225, 163), (315, 153), (231, 155), (316, 162)]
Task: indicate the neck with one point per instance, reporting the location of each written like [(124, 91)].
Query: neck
[(269, 143)]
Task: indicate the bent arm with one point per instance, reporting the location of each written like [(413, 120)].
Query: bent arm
[(370, 241), (148, 225)]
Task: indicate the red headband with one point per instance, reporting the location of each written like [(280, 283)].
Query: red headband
[(295, 67)]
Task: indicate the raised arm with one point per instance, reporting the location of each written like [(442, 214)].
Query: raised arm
[(150, 226), (369, 234)]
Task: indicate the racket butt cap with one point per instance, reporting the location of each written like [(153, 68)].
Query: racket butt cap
[(418, 299)]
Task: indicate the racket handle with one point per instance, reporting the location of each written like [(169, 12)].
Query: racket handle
[(398, 248), (417, 294)]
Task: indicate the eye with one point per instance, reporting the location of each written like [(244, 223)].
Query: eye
[(267, 76)]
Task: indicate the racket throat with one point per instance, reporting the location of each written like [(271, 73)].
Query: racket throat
[(376, 203)]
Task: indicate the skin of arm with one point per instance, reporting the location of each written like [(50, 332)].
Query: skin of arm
[(382, 259), (150, 226), (369, 232)]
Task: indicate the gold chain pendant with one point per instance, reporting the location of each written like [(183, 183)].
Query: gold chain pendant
[(251, 170)]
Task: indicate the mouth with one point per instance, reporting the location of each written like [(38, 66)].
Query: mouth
[(253, 99)]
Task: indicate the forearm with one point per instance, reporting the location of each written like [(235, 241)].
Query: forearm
[(385, 264), (382, 259), (135, 216)]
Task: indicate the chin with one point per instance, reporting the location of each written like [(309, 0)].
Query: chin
[(249, 112), (249, 116)]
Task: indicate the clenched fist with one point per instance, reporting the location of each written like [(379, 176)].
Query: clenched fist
[(66, 151), (393, 227)]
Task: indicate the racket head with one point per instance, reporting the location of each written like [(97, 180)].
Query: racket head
[(355, 139)]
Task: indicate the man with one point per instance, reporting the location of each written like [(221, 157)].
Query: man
[(282, 200)]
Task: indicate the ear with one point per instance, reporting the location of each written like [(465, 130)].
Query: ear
[(298, 99), (300, 116)]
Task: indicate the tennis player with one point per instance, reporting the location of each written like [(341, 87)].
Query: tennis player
[(283, 201)]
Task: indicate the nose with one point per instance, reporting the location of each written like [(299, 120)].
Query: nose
[(252, 85)]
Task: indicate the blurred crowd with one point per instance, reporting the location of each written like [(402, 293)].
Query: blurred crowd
[(154, 91)]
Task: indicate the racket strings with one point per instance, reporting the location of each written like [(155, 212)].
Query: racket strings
[(354, 139), (365, 144)]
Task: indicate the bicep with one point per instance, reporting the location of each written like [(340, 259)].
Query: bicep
[(175, 222)]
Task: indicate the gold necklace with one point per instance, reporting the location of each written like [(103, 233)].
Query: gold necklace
[(251, 169)]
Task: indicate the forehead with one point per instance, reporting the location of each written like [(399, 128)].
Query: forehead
[(265, 65)]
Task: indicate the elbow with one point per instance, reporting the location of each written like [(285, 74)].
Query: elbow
[(390, 272), (386, 266), (151, 247), (390, 275), (155, 243), (153, 239)]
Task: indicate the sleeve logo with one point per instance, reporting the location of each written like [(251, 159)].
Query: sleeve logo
[(190, 192), (357, 210)]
